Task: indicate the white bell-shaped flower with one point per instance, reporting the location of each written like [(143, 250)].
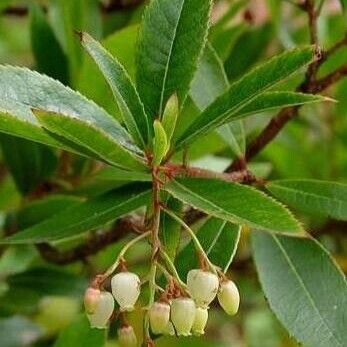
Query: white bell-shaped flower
[(229, 297), (159, 316), (126, 290), (183, 315), (169, 329), (127, 337), (91, 299), (200, 321), (102, 311), (202, 286)]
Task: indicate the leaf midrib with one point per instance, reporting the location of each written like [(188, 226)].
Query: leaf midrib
[(169, 59), (306, 291), (54, 235)]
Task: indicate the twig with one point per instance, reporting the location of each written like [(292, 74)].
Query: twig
[(310, 85), (93, 245)]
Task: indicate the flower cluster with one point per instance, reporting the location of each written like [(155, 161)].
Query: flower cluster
[(181, 310)]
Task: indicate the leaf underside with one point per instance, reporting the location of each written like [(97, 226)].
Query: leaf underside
[(304, 287)]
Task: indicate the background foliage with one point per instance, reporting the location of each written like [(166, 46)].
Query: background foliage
[(41, 285)]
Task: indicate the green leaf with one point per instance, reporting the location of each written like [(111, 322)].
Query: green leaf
[(313, 196), (273, 100), (23, 157), (304, 287), (160, 143), (235, 203), (246, 90), (16, 259), (116, 174), (219, 240), (171, 39), (248, 50), (67, 17), (85, 216), (17, 119), (224, 41), (234, 135), (122, 46), (48, 281), (210, 82), (71, 115), (170, 233), (123, 89), (104, 143), (42, 209), (49, 56), (79, 333), (170, 116)]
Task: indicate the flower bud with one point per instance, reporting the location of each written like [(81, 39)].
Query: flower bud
[(159, 316), (183, 315), (127, 337), (126, 290), (229, 297), (202, 286), (91, 299), (102, 312), (200, 321)]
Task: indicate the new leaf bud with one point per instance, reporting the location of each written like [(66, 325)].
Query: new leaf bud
[(126, 290), (91, 299), (183, 315), (102, 311), (200, 321), (159, 316), (127, 337), (202, 286), (229, 297)]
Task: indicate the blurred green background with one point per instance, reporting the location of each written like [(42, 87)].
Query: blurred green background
[(40, 303)]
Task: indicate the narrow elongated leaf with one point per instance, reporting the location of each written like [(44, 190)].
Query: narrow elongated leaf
[(235, 203), (272, 100), (17, 119), (79, 333), (42, 209), (67, 17), (77, 118), (103, 144), (172, 37), (209, 82), (85, 216), (23, 156), (224, 41), (114, 174), (219, 240), (49, 55), (313, 196), (234, 135), (170, 229), (304, 287), (245, 90), (248, 50), (48, 281), (123, 89)]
